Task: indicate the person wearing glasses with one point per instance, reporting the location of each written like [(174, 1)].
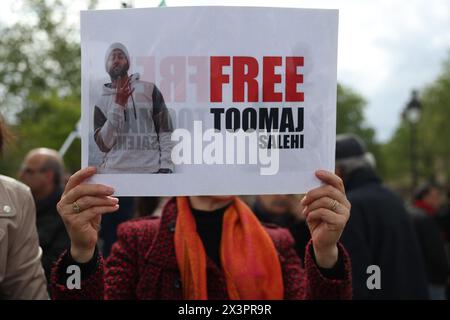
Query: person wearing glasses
[(43, 171)]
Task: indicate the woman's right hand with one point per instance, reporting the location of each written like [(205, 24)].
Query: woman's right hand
[(92, 200)]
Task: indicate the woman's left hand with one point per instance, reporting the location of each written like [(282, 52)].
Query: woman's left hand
[(326, 211)]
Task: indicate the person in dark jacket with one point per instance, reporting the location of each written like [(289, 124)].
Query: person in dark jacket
[(108, 230), (424, 210), (379, 231), (284, 211), (444, 224), (443, 218), (43, 171)]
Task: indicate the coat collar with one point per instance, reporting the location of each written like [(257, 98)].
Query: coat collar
[(361, 177), (162, 252), (48, 205)]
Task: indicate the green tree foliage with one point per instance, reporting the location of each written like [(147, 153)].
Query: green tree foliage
[(350, 119), (396, 157), (433, 132), (434, 128), (40, 55), (40, 81), (45, 123)]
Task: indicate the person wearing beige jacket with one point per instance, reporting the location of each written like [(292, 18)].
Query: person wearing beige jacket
[(21, 272)]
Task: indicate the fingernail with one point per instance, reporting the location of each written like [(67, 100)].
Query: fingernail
[(303, 200), (91, 169), (115, 200), (109, 189)]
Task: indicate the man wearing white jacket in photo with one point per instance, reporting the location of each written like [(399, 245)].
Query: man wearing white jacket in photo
[(132, 125)]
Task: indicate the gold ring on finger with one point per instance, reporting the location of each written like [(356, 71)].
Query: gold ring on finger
[(334, 205), (75, 207)]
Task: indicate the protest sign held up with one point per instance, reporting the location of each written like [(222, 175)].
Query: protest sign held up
[(244, 98)]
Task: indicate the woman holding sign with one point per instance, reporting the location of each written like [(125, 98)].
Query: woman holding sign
[(210, 247)]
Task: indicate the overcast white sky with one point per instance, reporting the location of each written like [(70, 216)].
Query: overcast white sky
[(386, 47)]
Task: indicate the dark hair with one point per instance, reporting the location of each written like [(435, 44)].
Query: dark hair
[(423, 190), (146, 206), (349, 146)]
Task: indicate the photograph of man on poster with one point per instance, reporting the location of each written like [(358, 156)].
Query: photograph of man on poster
[(132, 125)]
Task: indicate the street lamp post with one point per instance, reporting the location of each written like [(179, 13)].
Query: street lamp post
[(411, 114)]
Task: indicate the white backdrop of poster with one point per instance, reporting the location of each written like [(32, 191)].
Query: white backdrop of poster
[(174, 48)]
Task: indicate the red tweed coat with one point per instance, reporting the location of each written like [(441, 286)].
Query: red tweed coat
[(143, 265)]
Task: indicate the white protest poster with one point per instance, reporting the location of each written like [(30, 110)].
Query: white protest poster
[(209, 100)]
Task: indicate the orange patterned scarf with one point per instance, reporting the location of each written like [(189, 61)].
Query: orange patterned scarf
[(249, 258)]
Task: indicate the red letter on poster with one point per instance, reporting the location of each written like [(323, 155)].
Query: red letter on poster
[(217, 78), (270, 79), (293, 78), (240, 77)]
